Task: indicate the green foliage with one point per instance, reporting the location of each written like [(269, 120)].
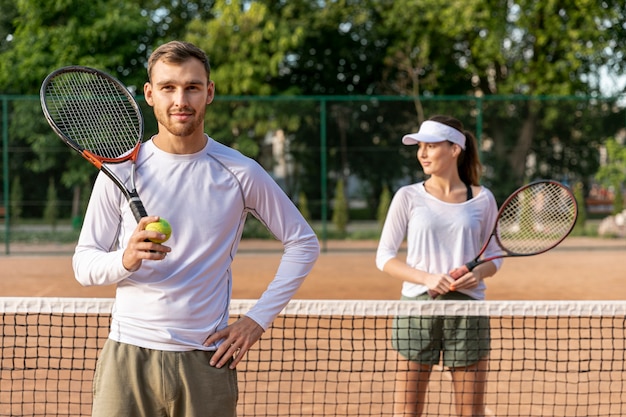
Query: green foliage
[(254, 229), (581, 220), (102, 33), (17, 196), (7, 22), (340, 216), (43, 36), (471, 49), (51, 211), (303, 206), (247, 146), (60, 236), (383, 206), (618, 200), (247, 45), (614, 169), (522, 48), (85, 194), (612, 174)]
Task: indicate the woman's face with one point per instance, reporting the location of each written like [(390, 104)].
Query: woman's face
[(437, 158)]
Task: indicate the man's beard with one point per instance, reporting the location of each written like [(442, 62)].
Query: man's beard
[(180, 129)]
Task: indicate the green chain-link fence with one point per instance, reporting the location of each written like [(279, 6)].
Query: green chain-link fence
[(309, 143)]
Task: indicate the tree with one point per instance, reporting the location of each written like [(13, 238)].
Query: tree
[(264, 50), (340, 209), (303, 205), (17, 199), (618, 201), (581, 219), (248, 45), (106, 34), (342, 53), (169, 19), (7, 25), (383, 206), (432, 43), (530, 47), (51, 211), (612, 174), (548, 48)]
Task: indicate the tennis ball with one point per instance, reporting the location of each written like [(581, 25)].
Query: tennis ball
[(162, 226)]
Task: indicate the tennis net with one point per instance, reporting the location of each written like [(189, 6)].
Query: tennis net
[(334, 358)]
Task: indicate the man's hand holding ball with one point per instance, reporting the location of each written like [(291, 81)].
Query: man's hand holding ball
[(151, 230)]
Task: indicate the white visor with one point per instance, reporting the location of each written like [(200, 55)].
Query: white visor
[(431, 132)]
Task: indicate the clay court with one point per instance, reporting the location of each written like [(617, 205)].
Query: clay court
[(579, 269)]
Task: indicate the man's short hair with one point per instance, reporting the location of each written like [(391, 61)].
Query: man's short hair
[(177, 52)]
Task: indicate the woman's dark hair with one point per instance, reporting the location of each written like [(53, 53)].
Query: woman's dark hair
[(469, 165)]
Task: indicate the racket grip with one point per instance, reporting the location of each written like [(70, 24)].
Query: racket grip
[(459, 272), (136, 206)]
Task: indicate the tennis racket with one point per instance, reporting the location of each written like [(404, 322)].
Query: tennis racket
[(532, 220), (95, 114)]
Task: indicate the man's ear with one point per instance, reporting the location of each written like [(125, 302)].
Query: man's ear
[(147, 93), (210, 92)]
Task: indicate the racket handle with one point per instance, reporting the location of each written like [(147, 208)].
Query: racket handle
[(457, 273), (136, 206)]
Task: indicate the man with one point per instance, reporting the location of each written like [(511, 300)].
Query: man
[(170, 350)]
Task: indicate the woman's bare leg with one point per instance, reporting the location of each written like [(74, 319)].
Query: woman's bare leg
[(411, 385), (469, 387)]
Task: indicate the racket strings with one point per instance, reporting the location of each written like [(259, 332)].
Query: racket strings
[(93, 112), (536, 219)]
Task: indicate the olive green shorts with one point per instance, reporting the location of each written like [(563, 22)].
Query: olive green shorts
[(135, 382), (458, 341)]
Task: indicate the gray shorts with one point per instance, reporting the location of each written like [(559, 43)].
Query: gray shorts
[(135, 382), (458, 341)]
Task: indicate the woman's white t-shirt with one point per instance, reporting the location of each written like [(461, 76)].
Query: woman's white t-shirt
[(439, 236)]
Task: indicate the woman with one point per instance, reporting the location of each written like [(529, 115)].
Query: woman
[(445, 219)]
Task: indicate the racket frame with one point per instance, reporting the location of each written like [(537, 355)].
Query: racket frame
[(98, 161), (494, 233), (464, 269)]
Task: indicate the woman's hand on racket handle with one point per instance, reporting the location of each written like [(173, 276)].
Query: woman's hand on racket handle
[(438, 284), (463, 278), (453, 285), (139, 248), (471, 274)]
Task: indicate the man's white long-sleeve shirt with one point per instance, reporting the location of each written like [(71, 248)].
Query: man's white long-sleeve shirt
[(176, 303)]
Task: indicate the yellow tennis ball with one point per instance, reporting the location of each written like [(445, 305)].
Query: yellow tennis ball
[(162, 226)]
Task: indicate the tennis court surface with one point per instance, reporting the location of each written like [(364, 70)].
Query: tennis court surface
[(554, 353)]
